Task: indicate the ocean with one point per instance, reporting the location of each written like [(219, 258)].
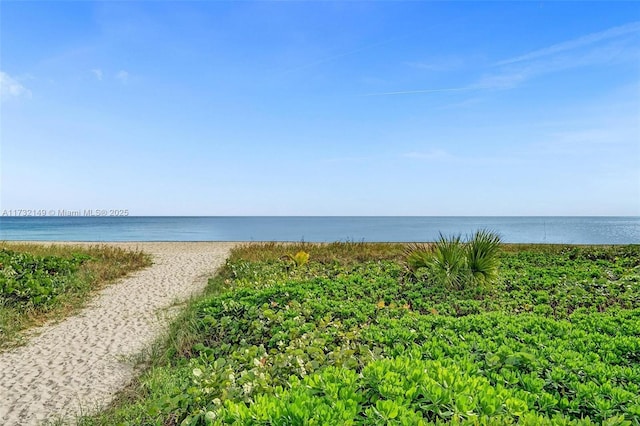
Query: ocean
[(555, 230)]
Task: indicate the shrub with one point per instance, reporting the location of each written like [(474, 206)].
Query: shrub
[(457, 264), (27, 280), (482, 256)]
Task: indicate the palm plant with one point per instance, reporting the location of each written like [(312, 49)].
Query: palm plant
[(418, 256), (482, 256), (454, 263), (448, 262)]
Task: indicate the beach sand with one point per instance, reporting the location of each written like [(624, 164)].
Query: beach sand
[(77, 365)]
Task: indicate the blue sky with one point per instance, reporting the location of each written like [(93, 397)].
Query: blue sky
[(321, 108)]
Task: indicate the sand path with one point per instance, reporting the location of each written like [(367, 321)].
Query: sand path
[(79, 364)]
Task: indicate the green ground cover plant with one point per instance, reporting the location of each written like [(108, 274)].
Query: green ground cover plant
[(354, 337), (39, 282)]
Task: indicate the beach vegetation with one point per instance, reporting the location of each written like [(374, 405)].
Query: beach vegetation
[(44, 282), (299, 259), (554, 341)]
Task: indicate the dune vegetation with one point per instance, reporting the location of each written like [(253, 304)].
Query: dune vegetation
[(455, 332), (44, 282)]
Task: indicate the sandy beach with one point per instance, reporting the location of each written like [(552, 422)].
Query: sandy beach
[(78, 364)]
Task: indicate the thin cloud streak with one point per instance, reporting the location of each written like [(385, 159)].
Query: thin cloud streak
[(442, 156), (586, 40), (462, 104), (410, 92), (439, 64), (341, 55), (432, 155), (347, 159), (517, 70)]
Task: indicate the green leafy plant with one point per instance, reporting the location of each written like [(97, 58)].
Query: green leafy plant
[(31, 281)]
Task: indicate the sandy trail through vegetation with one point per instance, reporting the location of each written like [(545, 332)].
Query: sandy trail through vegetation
[(78, 364)]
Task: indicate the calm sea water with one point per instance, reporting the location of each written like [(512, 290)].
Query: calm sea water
[(569, 230)]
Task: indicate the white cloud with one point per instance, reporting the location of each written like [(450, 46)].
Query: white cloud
[(98, 73), (11, 88), (123, 76)]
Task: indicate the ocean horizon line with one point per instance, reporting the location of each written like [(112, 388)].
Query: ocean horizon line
[(513, 229), (312, 216)]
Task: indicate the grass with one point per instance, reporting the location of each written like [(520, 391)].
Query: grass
[(345, 253), (353, 337), (64, 276)]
